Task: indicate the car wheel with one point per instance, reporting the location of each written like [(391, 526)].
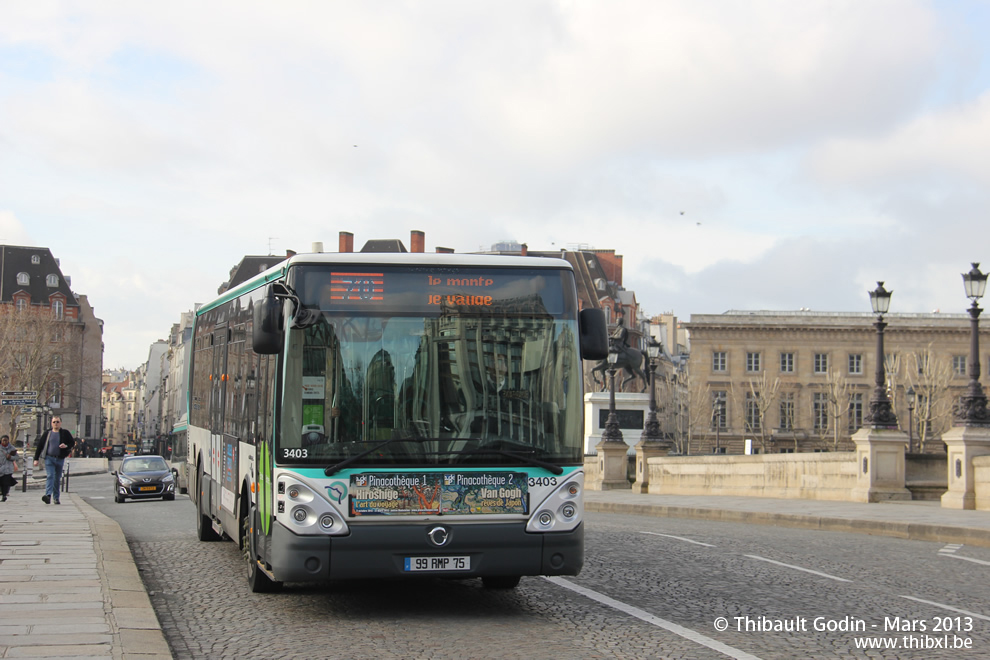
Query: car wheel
[(168, 498), (118, 498)]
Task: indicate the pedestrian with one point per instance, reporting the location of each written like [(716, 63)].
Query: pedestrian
[(55, 445), (8, 464)]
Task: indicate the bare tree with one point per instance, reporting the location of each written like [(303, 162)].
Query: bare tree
[(699, 409), (761, 398), (37, 353), (930, 376), (834, 399)]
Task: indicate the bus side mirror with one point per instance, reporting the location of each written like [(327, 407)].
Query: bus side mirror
[(267, 333), (594, 334)]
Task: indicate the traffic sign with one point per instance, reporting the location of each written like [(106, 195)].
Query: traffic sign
[(20, 395), (18, 402)]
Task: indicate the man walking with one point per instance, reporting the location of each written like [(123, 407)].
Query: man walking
[(55, 445)]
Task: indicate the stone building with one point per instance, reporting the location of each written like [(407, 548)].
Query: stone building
[(802, 381), (51, 343)]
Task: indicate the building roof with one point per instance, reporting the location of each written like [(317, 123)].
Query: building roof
[(17, 259), (248, 267), (384, 245)]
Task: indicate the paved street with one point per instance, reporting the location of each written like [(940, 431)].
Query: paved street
[(651, 588)]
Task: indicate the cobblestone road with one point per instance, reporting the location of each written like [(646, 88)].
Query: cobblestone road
[(760, 574)]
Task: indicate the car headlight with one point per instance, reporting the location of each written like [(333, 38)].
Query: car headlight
[(125, 481), (168, 478)]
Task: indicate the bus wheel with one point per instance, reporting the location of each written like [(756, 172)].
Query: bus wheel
[(258, 581), (500, 581)]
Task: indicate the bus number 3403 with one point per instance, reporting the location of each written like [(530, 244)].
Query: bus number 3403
[(543, 481), (294, 453)]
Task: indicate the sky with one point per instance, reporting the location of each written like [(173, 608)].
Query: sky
[(746, 155)]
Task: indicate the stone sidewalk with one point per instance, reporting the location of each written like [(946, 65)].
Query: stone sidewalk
[(69, 587)]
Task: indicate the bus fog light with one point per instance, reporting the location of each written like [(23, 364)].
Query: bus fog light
[(573, 489), (546, 518), (299, 514), (293, 492), (326, 521), (568, 510)]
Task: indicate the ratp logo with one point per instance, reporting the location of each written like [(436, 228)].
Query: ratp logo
[(337, 491)]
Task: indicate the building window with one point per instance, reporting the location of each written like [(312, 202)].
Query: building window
[(959, 365), (719, 361), (55, 394), (21, 304), (855, 364), (819, 412), (821, 363), (57, 361), (752, 362), (855, 412), (35, 259), (51, 280), (787, 411), (58, 310), (23, 279), (787, 363), (720, 417), (752, 411)]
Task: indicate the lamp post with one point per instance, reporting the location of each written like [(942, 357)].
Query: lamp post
[(612, 432), (972, 408), (881, 415), (651, 430), (910, 398)]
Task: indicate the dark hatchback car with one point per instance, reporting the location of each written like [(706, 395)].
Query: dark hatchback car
[(143, 477)]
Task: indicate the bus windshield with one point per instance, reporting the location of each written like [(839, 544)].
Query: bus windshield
[(455, 372)]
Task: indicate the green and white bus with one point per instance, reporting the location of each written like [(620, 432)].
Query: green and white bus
[(365, 415)]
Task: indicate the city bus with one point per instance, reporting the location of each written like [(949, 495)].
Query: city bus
[(176, 452), (364, 415)]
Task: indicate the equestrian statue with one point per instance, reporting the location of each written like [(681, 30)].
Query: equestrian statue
[(630, 360)]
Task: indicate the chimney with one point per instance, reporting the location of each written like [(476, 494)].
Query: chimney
[(318, 247), (417, 241), (290, 253), (525, 249), (346, 242)]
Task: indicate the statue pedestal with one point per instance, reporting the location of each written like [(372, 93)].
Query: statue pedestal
[(613, 467), (963, 443), (646, 450), (880, 465), (630, 407)]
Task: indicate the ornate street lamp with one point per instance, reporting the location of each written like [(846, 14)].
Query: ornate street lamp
[(881, 415), (910, 397), (651, 430), (972, 407), (612, 432)]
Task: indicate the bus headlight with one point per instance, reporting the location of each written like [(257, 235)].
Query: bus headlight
[(562, 510), (326, 521), (300, 514)]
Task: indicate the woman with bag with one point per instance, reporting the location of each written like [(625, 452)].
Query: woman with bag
[(8, 464)]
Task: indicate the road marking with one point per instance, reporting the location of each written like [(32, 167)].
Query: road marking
[(798, 568), (949, 549), (975, 561), (643, 615), (948, 607), (679, 538)]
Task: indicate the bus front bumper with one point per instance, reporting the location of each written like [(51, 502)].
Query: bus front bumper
[(380, 551)]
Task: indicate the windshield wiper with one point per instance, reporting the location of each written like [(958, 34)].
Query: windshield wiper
[(555, 469), (357, 457)]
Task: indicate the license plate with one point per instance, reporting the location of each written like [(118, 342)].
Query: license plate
[(438, 564), (148, 488)]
